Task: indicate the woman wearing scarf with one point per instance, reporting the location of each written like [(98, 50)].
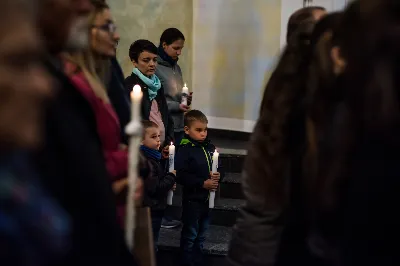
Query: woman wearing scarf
[(143, 55)]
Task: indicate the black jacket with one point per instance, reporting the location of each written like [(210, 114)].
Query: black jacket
[(157, 185), (118, 97), (131, 81), (193, 164), (71, 167)]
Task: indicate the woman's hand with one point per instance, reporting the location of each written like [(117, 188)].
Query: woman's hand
[(190, 98), (184, 108)]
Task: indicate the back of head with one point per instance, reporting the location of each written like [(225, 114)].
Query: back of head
[(171, 35), (194, 115), (269, 151), (300, 16), (369, 43), (139, 47), (321, 76)]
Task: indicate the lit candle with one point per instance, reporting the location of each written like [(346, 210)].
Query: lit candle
[(136, 98), (185, 93), (214, 170), (171, 157), (134, 130)]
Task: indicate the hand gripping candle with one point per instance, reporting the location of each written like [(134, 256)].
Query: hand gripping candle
[(185, 93), (171, 158), (214, 170)]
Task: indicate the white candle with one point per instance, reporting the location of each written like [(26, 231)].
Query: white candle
[(185, 93), (214, 170), (135, 131), (171, 158), (136, 98)]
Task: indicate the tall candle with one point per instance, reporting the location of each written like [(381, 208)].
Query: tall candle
[(133, 129), (136, 98), (185, 93), (214, 170), (171, 169)]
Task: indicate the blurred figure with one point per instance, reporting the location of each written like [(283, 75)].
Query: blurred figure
[(264, 232), (71, 162), (355, 192), (33, 230), (87, 70)]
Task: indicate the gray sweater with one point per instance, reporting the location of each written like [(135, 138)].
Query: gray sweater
[(172, 81)]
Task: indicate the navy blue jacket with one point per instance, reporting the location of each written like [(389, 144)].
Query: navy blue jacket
[(193, 163)]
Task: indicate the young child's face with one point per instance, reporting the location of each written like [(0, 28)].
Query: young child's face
[(197, 131), (152, 138)]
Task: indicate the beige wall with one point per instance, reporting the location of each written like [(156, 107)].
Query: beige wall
[(147, 19), (236, 44)]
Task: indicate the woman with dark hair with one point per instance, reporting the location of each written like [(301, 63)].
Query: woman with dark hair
[(143, 55), (172, 42), (271, 228)]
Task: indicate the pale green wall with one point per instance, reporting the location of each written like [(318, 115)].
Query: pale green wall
[(147, 19)]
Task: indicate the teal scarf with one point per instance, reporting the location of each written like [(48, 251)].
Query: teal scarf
[(153, 82)]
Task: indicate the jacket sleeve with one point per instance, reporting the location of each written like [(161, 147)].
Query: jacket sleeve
[(165, 184), (157, 183), (183, 170), (169, 127), (257, 232), (173, 105), (117, 163)]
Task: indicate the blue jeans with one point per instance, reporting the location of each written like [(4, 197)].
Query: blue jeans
[(156, 218), (196, 220)]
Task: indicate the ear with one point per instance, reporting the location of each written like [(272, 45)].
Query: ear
[(339, 64), (134, 63), (186, 129), (164, 45)]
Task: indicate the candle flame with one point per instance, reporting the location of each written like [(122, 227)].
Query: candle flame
[(136, 92), (172, 143), (216, 150), (185, 85)]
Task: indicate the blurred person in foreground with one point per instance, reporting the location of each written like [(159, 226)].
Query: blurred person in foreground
[(71, 162), (264, 233), (33, 228)]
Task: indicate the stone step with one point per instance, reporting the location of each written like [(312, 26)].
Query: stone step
[(223, 214), (231, 186), (232, 163), (217, 240)]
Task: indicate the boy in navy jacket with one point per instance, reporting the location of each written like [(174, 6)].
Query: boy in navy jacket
[(193, 163)]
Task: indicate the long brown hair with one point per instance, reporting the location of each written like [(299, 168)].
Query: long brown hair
[(95, 68), (271, 144)]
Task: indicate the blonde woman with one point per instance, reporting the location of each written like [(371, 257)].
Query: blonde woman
[(89, 71)]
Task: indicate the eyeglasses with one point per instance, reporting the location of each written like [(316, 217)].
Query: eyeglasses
[(109, 27)]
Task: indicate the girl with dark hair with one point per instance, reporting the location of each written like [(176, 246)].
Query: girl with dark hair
[(172, 42), (271, 228)]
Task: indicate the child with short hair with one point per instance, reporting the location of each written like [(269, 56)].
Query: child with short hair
[(193, 164), (158, 183)]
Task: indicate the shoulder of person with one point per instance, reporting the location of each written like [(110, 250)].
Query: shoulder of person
[(132, 80)]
